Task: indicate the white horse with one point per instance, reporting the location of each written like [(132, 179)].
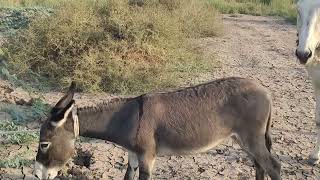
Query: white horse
[(308, 25)]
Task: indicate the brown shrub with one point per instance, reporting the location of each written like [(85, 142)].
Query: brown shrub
[(113, 45)]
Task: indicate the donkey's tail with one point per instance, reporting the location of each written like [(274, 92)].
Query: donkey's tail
[(267, 134)]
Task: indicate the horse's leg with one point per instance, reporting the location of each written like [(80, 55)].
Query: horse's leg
[(314, 156), (146, 162), (133, 164)]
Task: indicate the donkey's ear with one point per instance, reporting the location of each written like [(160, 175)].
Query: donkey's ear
[(59, 116), (66, 99)]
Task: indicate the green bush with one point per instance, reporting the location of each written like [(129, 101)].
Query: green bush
[(283, 8), (113, 45)]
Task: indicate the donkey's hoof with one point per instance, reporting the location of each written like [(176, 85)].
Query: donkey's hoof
[(313, 160)]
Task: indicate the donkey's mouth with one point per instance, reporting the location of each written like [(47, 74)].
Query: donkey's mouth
[(303, 61)]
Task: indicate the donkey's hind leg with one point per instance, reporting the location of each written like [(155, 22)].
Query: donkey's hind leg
[(146, 162), (133, 164), (259, 170), (259, 151)]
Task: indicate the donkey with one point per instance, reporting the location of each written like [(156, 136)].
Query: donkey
[(190, 120), (308, 27)]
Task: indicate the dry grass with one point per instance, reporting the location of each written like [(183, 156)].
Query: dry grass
[(115, 46)]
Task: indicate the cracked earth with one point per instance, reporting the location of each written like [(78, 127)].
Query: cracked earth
[(261, 48)]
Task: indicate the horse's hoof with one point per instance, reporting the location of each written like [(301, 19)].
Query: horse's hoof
[(313, 161)]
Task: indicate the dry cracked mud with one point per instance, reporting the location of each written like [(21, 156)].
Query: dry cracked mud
[(261, 48)]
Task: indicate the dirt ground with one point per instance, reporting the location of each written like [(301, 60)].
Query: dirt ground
[(261, 48)]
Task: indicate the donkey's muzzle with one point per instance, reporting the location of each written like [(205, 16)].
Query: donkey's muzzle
[(303, 56)]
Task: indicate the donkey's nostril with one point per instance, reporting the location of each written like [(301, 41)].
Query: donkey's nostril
[(309, 54), (297, 53)]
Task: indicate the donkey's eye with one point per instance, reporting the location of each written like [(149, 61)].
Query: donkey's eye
[(44, 146)]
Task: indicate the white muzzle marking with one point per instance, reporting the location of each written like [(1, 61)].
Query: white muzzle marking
[(44, 173)]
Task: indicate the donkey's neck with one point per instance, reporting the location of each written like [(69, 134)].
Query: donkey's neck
[(116, 121)]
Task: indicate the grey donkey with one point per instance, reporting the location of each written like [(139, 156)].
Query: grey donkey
[(189, 120)]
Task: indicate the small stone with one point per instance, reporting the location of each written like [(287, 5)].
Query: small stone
[(201, 170)]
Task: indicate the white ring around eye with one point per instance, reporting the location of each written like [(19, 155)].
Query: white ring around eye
[(44, 146)]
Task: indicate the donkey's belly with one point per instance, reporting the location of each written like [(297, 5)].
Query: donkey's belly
[(177, 141), (166, 149), (191, 130)]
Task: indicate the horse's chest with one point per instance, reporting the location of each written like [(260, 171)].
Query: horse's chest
[(313, 69)]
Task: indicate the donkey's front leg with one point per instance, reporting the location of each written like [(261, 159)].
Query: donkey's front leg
[(146, 162), (133, 164), (314, 156)]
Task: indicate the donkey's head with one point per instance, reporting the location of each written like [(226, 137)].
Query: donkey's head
[(57, 136), (308, 24)]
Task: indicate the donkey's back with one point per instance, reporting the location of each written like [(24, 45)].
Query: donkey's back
[(196, 119)]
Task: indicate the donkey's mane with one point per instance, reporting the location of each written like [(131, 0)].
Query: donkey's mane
[(104, 105)]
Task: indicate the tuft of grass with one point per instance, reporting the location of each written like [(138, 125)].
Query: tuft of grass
[(11, 133), (17, 114), (282, 8), (118, 46), (39, 108), (17, 161), (13, 130), (20, 114)]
